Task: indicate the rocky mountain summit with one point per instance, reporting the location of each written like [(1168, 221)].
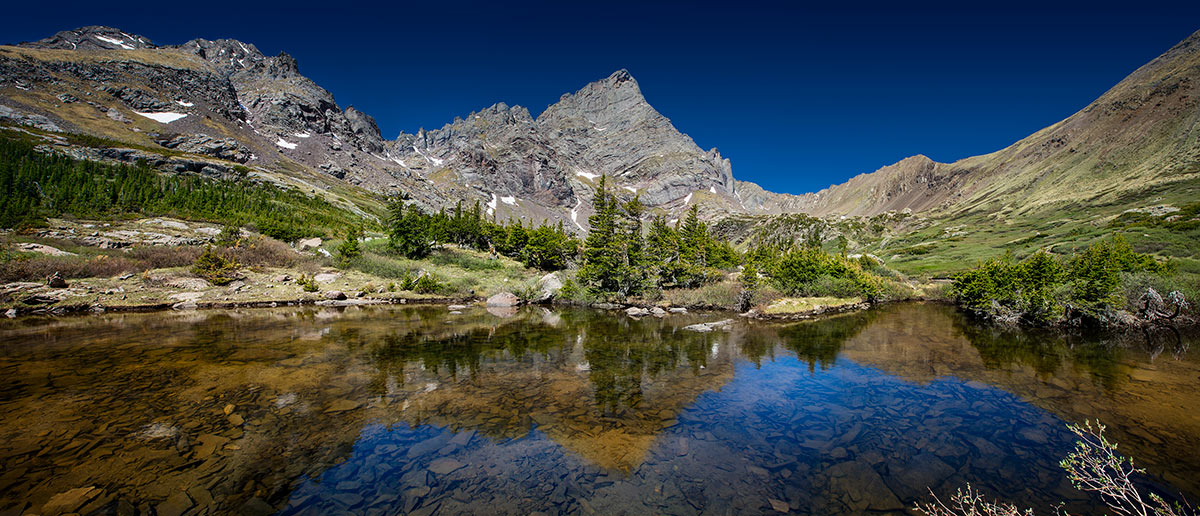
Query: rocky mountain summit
[(553, 161), (226, 100)]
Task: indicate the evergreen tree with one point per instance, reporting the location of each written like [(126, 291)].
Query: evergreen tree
[(632, 275), (350, 249), (408, 230), (694, 240), (602, 250)]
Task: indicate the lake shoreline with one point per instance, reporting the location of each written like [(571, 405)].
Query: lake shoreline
[(813, 308)]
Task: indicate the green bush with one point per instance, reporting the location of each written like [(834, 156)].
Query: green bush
[(215, 267), (810, 271), (230, 234), (308, 284), (1037, 288), (1096, 272), (428, 284), (408, 230)]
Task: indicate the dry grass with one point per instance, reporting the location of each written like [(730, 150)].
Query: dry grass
[(38, 268), (103, 263), (793, 305)]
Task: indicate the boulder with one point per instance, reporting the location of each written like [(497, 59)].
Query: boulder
[(710, 326), (677, 310), (657, 312), (335, 295), (504, 299), (867, 489), (56, 281), (635, 311), (308, 243), (326, 277), (548, 287), (42, 249)]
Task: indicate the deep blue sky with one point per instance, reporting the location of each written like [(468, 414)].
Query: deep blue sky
[(797, 97)]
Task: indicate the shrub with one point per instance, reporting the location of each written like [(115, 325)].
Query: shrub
[(572, 293), (1002, 285), (230, 235), (1036, 288), (1093, 466), (428, 284), (1096, 272), (408, 230), (266, 252), (161, 257), (1135, 284), (810, 271), (308, 283), (546, 248), (349, 249), (215, 267)]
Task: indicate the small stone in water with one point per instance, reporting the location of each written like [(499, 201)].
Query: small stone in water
[(175, 505), (444, 466), (342, 405), (779, 505), (69, 501)]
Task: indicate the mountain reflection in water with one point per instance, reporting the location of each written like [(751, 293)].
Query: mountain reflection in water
[(414, 410)]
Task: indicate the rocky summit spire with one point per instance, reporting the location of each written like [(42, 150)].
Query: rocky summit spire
[(608, 127)]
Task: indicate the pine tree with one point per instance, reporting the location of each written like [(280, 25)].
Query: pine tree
[(662, 243), (632, 275), (349, 249), (602, 253), (408, 230)]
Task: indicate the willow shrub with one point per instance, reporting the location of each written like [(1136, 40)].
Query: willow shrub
[(1036, 288), (810, 271)]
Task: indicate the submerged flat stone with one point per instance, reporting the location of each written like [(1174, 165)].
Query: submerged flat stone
[(444, 466)]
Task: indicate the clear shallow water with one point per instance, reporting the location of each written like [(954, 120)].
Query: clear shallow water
[(396, 410)]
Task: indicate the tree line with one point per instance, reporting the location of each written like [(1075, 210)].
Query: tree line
[(627, 254), (36, 185), (414, 233)]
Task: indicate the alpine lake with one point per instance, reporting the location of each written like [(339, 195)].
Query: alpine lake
[(418, 410)]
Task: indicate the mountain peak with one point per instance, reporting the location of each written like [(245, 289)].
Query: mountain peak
[(619, 77), (92, 37)]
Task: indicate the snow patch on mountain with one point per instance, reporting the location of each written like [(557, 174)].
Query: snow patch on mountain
[(164, 118)]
